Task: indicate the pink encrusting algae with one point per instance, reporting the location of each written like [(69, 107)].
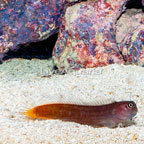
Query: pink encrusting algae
[(87, 35), (132, 47), (26, 21), (101, 115)]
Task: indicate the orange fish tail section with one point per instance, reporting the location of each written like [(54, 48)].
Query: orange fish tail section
[(41, 112)]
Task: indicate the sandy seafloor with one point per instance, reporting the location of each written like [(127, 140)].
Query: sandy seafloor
[(25, 83)]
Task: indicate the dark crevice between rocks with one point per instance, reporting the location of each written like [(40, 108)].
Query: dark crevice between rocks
[(134, 4), (43, 49), (40, 50)]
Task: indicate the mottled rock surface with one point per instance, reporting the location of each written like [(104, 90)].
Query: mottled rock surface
[(130, 36), (25, 21), (132, 47), (128, 22), (87, 35)]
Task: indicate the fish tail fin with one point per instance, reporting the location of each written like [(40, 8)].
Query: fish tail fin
[(30, 113), (38, 112)]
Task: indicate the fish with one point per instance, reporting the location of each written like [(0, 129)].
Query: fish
[(109, 115)]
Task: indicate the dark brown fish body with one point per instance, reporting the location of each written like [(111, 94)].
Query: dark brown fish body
[(103, 115)]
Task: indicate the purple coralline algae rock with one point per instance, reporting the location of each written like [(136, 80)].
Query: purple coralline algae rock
[(87, 35), (128, 22), (24, 21), (132, 47)]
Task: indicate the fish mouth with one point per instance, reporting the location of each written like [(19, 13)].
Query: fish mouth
[(133, 114), (128, 117)]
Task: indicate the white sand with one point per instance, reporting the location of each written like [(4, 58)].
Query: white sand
[(24, 87)]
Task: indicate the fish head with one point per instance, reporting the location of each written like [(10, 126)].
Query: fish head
[(125, 110)]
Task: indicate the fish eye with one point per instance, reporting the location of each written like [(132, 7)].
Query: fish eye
[(130, 105)]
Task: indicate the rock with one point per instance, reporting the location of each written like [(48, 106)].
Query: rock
[(132, 47), (128, 22), (130, 36), (25, 21), (87, 35)]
